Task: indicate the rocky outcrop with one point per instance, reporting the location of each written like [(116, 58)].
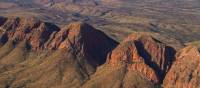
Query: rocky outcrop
[(185, 71), (37, 54), (30, 29), (85, 39), (68, 56), (44, 35), (144, 54), (139, 61), (78, 36)]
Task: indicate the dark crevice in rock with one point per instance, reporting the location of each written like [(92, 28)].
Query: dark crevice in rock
[(4, 38), (2, 20), (48, 30), (169, 55)]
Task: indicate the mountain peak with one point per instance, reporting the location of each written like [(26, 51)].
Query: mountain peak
[(83, 37), (77, 48), (144, 54), (78, 37)]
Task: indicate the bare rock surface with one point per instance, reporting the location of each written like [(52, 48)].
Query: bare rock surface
[(185, 70), (138, 61)]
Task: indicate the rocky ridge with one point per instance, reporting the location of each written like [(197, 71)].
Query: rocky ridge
[(144, 54), (35, 53), (48, 48), (138, 61)]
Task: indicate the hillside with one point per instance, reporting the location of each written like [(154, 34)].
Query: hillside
[(39, 54)]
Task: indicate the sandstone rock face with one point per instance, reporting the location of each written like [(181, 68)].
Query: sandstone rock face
[(43, 35), (80, 37), (30, 29), (185, 71), (139, 61), (145, 55), (38, 54), (83, 38)]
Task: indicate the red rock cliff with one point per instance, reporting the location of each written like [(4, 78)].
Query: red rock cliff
[(145, 55), (185, 71), (78, 37)]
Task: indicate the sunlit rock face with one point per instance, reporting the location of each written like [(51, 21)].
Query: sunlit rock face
[(31, 48), (30, 29), (184, 72), (38, 54), (40, 35), (83, 38), (144, 54), (139, 61)]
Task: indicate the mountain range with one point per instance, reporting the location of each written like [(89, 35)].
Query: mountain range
[(99, 44), (39, 54)]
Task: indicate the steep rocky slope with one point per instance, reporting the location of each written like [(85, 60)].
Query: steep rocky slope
[(145, 50), (39, 54), (138, 62), (185, 70)]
